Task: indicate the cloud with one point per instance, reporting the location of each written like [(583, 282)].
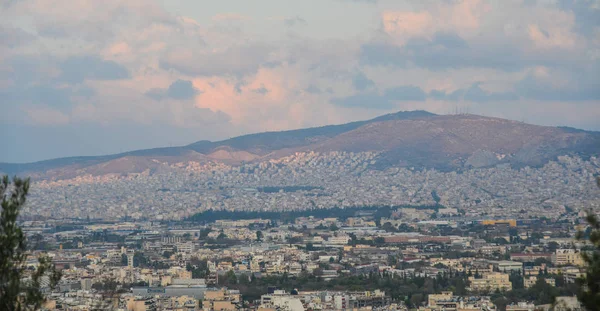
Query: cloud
[(587, 15), (13, 37), (313, 89), (178, 90), (94, 21), (442, 51), (382, 54), (182, 89), (261, 90), (541, 84), (473, 34), (448, 40), (235, 60), (46, 116), (27, 69), (404, 25), (156, 93), (370, 100), (361, 1), (228, 17), (56, 97), (361, 82), (446, 51), (474, 93), (76, 69), (405, 93), (385, 101), (463, 17), (558, 38), (40, 95), (294, 21)]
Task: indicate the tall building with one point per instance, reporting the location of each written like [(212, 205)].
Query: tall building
[(130, 256), (86, 283)]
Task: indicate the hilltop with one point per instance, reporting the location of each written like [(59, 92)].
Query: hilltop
[(404, 139)]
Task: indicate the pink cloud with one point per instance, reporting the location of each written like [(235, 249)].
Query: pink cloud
[(404, 25), (467, 14), (554, 38), (463, 17), (119, 48), (407, 23), (267, 100)]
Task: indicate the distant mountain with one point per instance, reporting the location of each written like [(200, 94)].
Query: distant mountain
[(264, 143), (462, 141), (414, 138)]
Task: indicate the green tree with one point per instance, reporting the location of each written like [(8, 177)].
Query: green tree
[(259, 236), (204, 232), (501, 302), (139, 260), (388, 227), (553, 246), (19, 290), (589, 292), (230, 277), (417, 300)]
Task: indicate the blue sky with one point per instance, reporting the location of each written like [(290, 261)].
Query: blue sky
[(99, 77)]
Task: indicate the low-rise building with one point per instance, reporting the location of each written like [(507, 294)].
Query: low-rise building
[(491, 282), (521, 306), (531, 280), (564, 257), (221, 300)]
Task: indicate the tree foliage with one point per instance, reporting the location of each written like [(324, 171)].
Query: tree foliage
[(20, 288), (589, 293)]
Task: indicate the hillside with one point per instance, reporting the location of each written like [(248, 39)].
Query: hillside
[(415, 139), (457, 141)]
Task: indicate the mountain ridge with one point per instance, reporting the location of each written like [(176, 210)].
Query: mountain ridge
[(412, 138)]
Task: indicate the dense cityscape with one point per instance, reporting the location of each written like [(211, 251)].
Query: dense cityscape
[(320, 181), (383, 259), (316, 232), (398, 239)]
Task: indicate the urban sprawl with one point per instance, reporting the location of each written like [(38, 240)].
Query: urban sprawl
[(316, 232)]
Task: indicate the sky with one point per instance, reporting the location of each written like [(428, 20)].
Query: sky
[(95, 77)]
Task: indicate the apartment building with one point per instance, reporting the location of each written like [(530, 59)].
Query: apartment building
[(491, 282), (567, 257)]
